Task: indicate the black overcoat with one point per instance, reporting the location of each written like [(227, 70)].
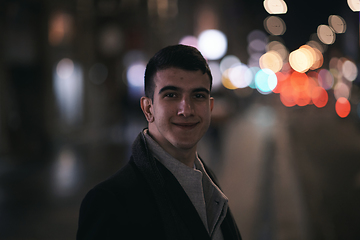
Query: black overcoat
[(143, 200)]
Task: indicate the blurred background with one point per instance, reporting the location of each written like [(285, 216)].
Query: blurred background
[(285, 134)]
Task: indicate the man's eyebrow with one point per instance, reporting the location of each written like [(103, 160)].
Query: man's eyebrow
[(201, 89), (173, 88)]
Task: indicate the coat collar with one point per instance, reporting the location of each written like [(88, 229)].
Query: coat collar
[(174, 205)]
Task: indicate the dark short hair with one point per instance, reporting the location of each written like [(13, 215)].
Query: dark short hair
[(178, 56)]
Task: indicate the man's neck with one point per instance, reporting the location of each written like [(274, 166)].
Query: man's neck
[(185, 156)]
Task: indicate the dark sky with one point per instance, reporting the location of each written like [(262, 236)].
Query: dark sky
[(303, 18)]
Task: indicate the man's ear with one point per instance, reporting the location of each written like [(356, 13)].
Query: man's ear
[(146, 107)]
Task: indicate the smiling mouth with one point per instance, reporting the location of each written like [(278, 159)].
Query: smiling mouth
[(186, 125)]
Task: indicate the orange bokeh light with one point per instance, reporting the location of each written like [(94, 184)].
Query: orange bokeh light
[(302, 98), (287, 95), (300, 89), (299, 81), (319, 97), (342, 107), (281, 77)]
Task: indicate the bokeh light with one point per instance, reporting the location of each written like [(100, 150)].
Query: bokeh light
[(256, 45), (68, 88), (271, 60), (287, 94), (212, 44), (240, 76), (342, 107), (135, 74), (257, 41), (302, 86), (319, 97), (337, 23), (257, 34), (318, 59), (60, 28), (274, 25), (265, 81), (341, 90), (226, 80), (279, 48), (281, 79), (349, 70), (65, 68), (354, 5), (163, 9), (253, 60), (228, 62), (326, 79), (300, 89), (216, 74), (317, 45), (275, 6), (254, 71), (333, 63), (301, 59), (299, 81), (111, 40), (65, 173), (189, 41), (326, 34)]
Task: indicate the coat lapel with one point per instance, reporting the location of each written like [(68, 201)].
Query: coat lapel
[(183, 205)]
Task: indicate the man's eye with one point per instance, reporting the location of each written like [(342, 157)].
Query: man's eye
[(170, 95), (199, 95)]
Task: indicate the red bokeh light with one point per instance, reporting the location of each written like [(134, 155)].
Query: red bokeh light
[(342, 107)]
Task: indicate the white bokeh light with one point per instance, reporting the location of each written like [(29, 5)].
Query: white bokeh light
[(275, 6), (229, 61), (135, 74), (212, 44), (65, 68), (216, 74), (68, 88), (354, 5), (349, 70), (189, 41), (240, 76)]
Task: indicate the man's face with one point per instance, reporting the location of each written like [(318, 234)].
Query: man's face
[(180, 112)]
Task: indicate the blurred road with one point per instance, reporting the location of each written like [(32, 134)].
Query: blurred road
[(293, 173)]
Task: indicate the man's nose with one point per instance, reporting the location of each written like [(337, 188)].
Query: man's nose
[(186, 107)]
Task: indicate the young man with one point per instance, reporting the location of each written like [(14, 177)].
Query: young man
[(165, 191)]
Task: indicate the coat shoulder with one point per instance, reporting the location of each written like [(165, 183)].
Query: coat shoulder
[(124, 180), (118, 207)]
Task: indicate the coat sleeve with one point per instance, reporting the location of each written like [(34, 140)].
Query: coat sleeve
[(102, 216)]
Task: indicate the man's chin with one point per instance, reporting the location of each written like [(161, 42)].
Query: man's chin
[(185, 145)]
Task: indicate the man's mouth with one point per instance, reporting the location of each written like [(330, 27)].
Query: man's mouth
[(186, 125)]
